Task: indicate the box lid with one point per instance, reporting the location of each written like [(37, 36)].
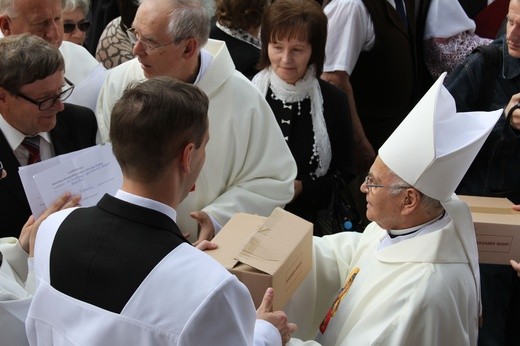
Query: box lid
[(262, 243), (235, 242), (274, 242), (489, 205)]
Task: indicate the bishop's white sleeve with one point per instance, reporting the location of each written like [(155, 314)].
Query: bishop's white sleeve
[(309, 304)]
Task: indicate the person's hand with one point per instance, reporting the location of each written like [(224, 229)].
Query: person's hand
[(206, 245), (516, 207), (276, 318), (298, 186), (28, 233), (364, 155), (3, 172), (206, 229), (516, 266), (515, 117)]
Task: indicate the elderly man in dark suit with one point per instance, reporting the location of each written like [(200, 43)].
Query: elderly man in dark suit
[(35, 124)]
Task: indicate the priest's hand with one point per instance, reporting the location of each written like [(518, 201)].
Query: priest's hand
[(276, 318), (206, 228), (516, 207), (206, 245), (298, 187), (516, 266), (28, 234)]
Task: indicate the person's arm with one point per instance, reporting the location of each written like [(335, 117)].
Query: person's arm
[(230, 307), (351, 31), (365, 154), (516, 266), (29, 230)]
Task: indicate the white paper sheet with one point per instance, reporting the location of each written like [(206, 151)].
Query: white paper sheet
[(90, 172)]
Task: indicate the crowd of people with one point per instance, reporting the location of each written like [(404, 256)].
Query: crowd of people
[(214, 107)]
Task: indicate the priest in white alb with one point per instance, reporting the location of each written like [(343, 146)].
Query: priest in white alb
[(412, 277)]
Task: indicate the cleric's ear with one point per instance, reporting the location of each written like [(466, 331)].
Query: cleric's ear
[(191, 47), (5, 25), (411, 201)]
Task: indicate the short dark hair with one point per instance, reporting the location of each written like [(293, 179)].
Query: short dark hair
[(303, 19), (240, 14), (153, 121), (26, 58)]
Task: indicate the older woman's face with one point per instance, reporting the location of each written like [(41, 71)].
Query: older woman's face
[(289, 58), (76, 20)]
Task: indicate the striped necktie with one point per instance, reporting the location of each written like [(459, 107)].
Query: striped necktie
[(399, 7), (32, 144)]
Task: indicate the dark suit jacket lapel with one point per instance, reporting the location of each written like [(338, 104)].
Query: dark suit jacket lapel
[(60, 139), (12, 182), (396, 20)]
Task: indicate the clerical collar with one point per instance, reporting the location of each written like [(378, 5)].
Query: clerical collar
[(401, 232), (416, 231), (147, 203), (205, 60)]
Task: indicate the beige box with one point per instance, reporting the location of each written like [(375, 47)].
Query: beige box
[(266, 252), (497, 227)]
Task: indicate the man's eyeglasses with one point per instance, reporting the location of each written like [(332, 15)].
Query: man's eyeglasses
[(369, 183), (70, 27), (49, 101), (147, 46)]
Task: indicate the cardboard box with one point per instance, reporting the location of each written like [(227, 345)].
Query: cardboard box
[(497, 227), (266, 252)]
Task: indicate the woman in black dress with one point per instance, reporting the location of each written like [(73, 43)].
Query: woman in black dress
[(313, 115)]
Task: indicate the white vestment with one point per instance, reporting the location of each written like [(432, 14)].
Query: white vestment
[(87, 74), (249, 167), (419, 291), (16, 289), (187, 299)]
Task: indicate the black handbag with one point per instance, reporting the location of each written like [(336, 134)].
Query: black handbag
[(340, 214)]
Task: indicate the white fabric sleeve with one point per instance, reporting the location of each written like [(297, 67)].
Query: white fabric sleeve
[(107, 98), (226, 317), (266, 334), (308, 306), (350, 31)]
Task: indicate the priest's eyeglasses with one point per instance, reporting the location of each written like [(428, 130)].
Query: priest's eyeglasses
[(48, 102), (147, 45), (369, 183)]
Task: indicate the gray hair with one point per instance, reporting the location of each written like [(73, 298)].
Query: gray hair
[(427, 204), (190, 18), (8, 8), (71, 5), (26, 58)]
